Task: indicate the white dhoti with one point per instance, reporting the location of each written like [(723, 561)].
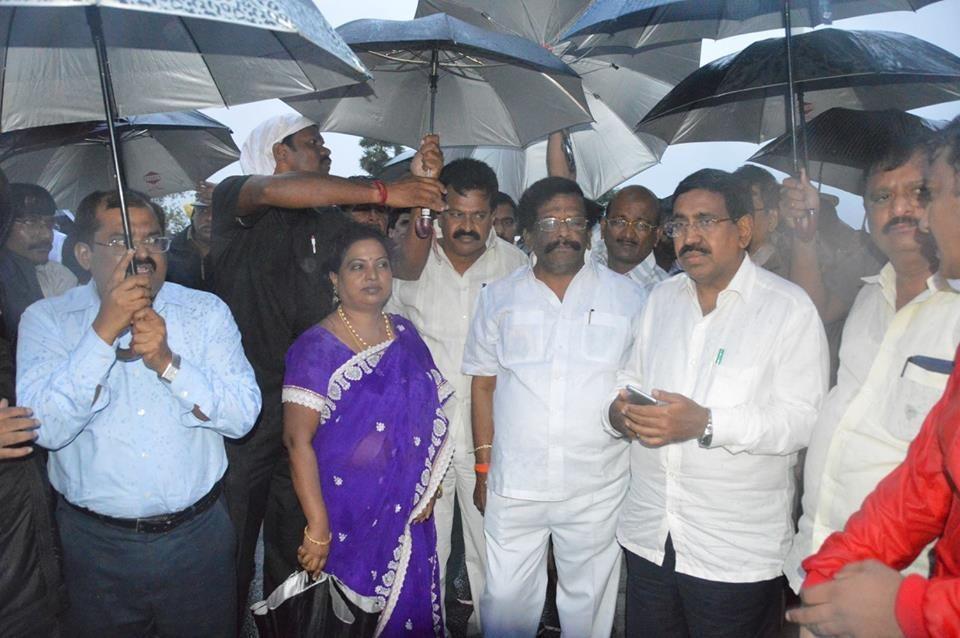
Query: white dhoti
[(585, 550)]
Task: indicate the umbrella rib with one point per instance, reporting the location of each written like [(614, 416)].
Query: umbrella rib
[(477, 64), (196, 46)]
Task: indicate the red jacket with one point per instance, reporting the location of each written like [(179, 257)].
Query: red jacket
[(914, 505)]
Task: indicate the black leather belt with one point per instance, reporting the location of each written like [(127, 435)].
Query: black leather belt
[(162, 522)]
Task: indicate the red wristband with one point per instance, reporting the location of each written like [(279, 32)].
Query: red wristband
[(382, 190), (481, 468)]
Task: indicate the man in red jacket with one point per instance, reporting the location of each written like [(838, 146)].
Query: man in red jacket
[(853, 587)]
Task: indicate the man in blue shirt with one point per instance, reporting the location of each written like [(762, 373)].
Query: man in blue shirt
[(136, 447)]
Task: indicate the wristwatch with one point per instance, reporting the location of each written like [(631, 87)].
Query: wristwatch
[(707, 437), (170, 372)]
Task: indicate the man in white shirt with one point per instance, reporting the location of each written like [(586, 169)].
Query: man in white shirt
[(902, 318), (544, 349), (440, 303), (737, 359), (629, 230), (764, 193)]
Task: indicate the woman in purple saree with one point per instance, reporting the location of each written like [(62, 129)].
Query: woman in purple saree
[(368, 446)]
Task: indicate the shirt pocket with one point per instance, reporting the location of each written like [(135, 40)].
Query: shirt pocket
[(522, 338), (731, 386), (917, 392), (604, 337)]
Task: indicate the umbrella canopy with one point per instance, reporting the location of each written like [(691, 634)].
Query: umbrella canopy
[(842, 143), (621, 86), (163, 153), (741, 97), (491, 88), (165, 55), (636, 23), (542, 21)]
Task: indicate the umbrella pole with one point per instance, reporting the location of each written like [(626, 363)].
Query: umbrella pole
[(109, 106), (106, 89), (791, 104), (425, 223)]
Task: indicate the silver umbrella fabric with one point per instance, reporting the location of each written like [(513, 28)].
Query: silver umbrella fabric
[(163, 153), (636, 23), (621, 86), (165, 55), (491, 88), (741, 97), (842, 143), (542, 21)]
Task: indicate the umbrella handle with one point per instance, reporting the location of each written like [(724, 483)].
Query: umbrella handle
[(424, 225)]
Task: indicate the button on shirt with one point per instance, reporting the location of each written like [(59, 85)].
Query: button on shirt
[(759, 362), (555, 364), (441, 304), (137, 450), (877, 407)]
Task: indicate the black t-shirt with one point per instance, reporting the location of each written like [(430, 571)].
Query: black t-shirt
[(268, 268), (185, 265)]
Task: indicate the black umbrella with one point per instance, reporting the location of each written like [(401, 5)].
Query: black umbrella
[(162, 153), (842, 143), (741, 97), (635, 23)]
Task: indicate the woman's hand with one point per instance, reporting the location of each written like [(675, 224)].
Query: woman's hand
[(428, 510), (313, 556)]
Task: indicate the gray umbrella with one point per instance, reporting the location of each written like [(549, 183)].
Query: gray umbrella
[(165, 55), (441, 75), (60, 60), (621, 86), (162, 154)]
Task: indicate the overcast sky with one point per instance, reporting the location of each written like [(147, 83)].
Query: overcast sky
[(937, 23)]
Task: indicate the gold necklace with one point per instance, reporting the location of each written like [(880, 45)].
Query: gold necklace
[(356, 337)]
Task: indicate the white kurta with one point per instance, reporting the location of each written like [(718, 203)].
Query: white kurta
[(877, 407), (759, 362), (554, 470)]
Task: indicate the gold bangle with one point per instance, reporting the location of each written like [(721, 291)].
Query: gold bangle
[(315, 541)]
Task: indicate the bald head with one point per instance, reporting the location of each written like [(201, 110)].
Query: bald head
[(629, 227)]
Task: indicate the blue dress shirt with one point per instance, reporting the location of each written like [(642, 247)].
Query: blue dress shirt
[(137, 450)]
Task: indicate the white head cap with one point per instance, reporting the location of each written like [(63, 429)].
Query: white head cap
[(256, 155)]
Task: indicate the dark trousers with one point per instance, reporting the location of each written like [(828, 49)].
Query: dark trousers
[(661, 602), (259, 490), (174, 584)]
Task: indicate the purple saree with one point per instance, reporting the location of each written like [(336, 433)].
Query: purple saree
[(382, 451)]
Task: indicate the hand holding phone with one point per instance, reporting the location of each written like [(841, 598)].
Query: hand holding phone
[(636, 396)]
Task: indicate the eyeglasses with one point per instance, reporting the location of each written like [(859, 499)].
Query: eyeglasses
[(676, 228), (34, 222), (552, 224), (151, 244), (619, 223), (458, 216)]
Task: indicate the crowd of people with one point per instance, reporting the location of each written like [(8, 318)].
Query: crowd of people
[(730, 392)]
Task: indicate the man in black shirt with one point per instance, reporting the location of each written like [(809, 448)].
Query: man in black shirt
[(270, 240)]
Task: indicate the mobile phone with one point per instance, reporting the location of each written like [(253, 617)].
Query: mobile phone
[(637, 396)]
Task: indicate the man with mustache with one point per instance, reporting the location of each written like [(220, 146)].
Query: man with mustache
[(853, 586), (629, 230), (736, 359), (440, 302), (764, 193), (137, 447), (271, 232), (188, 263), (26, 273), (505, 217), (544, 349), (885, 387)]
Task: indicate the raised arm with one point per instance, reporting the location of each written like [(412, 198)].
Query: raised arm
[(558, 164), (414, 250)]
